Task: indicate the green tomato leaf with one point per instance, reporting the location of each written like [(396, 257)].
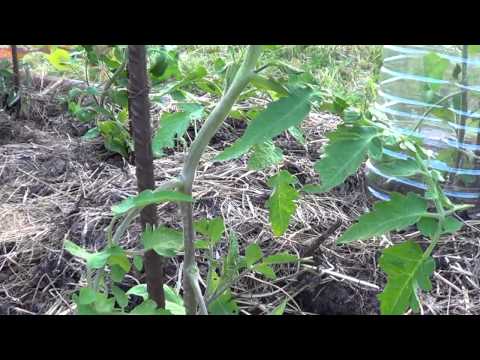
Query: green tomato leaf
[(121, 260), (213, 229), (352, 115), (148, 197), (444, 114), (87, 296), (282, 203), (60, 59), (172, 296), (231, 265), (196, 74), (122, 116), (173, 301), (280, 309), (434, 67), (116, 137), (76, 250), (120, 296), (148, 307), (264, 83), (407, 269), (428, 226), (375, 149), (202, 244), (138, 262), (98, 260), (298, 135), (120, 97), (87, 310), (174, 125), (91, 134), (224, 305), (164, 241), (398, 213), (117, 273), (398, 167), (138, 290), (103, 304), (265, 270), (277, 118), (452, 225), (337, 105), (219, 65), (159, 72), (160, 65), (264, 155), (349, 144), (253, 253), (280, 258)]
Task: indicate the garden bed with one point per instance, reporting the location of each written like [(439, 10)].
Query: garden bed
[(55, 186)]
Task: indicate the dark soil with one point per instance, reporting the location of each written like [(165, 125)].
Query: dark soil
[(336, 298)]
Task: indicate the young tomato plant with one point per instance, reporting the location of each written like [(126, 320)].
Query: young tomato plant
[(107, 268), (408, 266)]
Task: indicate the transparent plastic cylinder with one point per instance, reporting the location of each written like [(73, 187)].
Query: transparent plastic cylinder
[(432, 92)]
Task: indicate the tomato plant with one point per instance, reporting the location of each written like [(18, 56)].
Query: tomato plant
[(102, 295), (408, 266)]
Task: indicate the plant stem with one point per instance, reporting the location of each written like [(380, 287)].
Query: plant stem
[(110, 231), (197, 291), (208, 130), (227, 285), (114, 77), (448, 212), (442, 214), (87, 80), (139, 106), (431, 108), (124, 226)]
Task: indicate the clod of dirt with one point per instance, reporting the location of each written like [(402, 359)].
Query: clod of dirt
[(54, 166), (334, 298)]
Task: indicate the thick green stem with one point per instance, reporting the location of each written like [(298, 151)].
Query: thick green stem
[(197, 291), (208, 130), (218, 115), (441, 212)]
